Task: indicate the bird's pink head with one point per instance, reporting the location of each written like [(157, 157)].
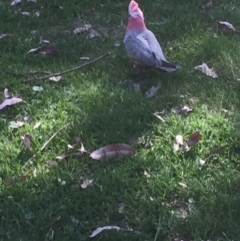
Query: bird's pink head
[(136, 19)]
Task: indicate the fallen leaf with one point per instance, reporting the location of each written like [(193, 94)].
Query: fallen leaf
[(7, 95), (146, 174), (49, 50), (227, 25), (86, 183), (100, 229), (11, 101), (25, 13), (74, 220), (201, 162), (177, 142), (52, 163), (218, 149), (183, 184), (9, 181), (84, 28), (136, 88), (37, 125), (93, 33), (55, 78), (206, 70), (33, 50), (27, 141), (15, 2), (84, 58), (121, 207), (16, 124), (182, 110), (194, 139), (111, 151), (3, 35), (152, 91), (207, 5), (37, 88), (159, 117), (37, 13)]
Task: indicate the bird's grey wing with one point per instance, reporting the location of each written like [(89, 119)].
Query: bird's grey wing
[(138, 50)]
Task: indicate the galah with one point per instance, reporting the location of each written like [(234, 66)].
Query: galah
[(141, 44)]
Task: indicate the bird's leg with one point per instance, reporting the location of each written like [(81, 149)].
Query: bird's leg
[(137, 78)]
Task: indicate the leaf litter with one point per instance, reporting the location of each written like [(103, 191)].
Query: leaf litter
[(206, 70), (112, 151), (153, 91), (100, 229)]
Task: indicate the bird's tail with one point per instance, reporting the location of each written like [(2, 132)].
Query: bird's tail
[(168, 67)]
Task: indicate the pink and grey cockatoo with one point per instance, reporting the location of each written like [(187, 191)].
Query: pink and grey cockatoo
[(141, 44)]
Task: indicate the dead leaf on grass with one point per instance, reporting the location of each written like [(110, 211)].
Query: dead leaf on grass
[(177, 142), (25, 13), (201, 162), (7, 94), (93, 34), (206, 70), (27, 141), (86, 183), (227, 25), (37, 125), (11, 101), (13, 180), (112, 151), (181, 110), (37, 88), (52, 164), (152, 91), (16, 124), (55, 78), (82, 29), (158, 116), (207, 5), (100, 229), (218, 149), (194, 139), (34, 50), (183, 184), (136, 88), (121, 207), (49, 50)]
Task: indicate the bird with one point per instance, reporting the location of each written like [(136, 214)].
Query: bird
[(141, 44)]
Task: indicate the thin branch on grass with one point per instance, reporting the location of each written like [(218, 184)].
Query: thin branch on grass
[(158, 229), (44, 145), (69, 70)]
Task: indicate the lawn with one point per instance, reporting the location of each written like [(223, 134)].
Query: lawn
[(166, 194)]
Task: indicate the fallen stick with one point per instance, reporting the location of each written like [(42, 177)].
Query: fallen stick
[(69, 70), (44, 145)]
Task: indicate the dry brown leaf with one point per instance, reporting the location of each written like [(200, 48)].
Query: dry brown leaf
[(27, 141), (112, 151), (194, 139)]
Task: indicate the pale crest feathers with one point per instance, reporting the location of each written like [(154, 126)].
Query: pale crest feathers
[(134, 10)]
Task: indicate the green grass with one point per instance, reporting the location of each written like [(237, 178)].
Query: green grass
[(101, 110)]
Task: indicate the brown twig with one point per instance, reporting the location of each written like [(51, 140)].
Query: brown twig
[(44, 145), (69, 70)]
